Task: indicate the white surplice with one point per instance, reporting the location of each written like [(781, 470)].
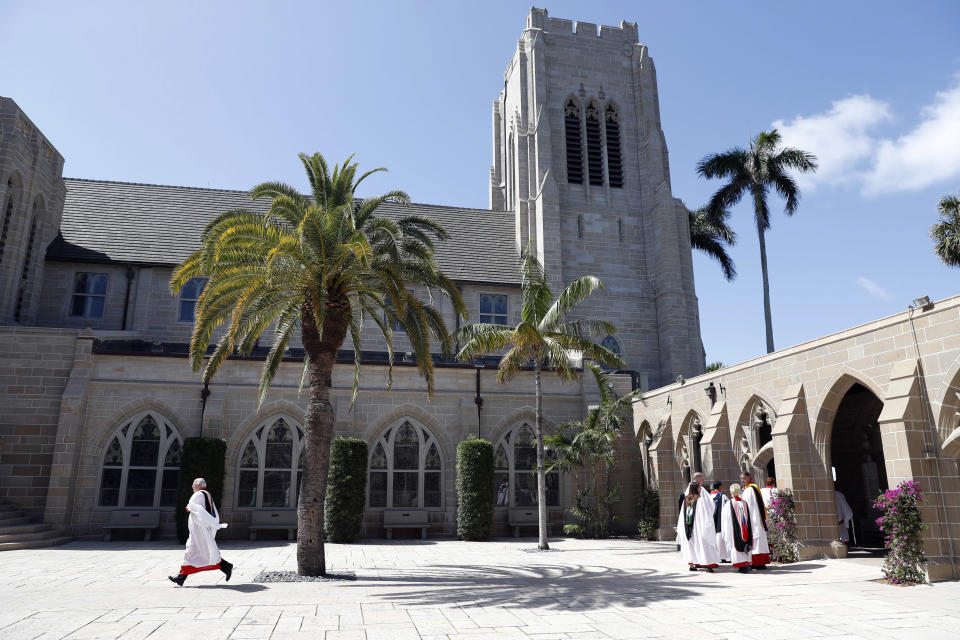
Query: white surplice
[(701, 548), (760, 546), (202, 548), (730, 518), (844, 516)]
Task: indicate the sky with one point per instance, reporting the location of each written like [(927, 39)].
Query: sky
[(225, 94)]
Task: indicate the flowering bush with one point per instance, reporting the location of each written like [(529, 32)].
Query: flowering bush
[(782, 537), (902, 526), (648, 510)]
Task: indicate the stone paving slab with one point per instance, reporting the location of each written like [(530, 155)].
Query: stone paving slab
[(446, 589)]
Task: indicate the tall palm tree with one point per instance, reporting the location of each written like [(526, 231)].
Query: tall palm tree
[(755, 171), (946, 233), (712, 235), (319, 264), (544, 339)]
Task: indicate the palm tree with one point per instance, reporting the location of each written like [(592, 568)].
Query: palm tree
[(755, 171), (544, 339), (319, 264), (946, 233), (714, 366), (590, 445), (713, 235)]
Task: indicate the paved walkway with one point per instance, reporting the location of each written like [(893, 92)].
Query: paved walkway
[(448, 589)]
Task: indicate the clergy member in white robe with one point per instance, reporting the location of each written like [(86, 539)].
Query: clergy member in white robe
[(844, 516), (202, 553), (695, 530), (760, 553), (720, 499), (736, 530)]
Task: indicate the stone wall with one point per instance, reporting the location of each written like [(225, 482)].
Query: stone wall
[(801, 389)]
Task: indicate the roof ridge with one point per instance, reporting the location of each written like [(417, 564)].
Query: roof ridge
[(215, 189)]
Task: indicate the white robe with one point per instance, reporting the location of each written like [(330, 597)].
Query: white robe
[(844, 516), (701, 548), (760, 546), (768, 493), (202, 548), (727, 522), (721, 544), (704, 493)]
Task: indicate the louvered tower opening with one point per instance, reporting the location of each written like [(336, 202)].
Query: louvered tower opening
[(594, 145), (571, 123), (614, 162)]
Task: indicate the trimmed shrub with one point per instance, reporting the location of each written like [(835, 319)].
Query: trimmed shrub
[(474, 489), (346, 489), (202, 458), (648, 512)]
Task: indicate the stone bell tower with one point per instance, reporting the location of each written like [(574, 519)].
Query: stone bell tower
[(580, 158), (31, 205)]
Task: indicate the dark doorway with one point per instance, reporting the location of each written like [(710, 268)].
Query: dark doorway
[(857, 460), (765, 435)]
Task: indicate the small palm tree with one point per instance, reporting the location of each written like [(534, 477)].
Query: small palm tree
[(755, 171), (589, 445), (714, 366), (319, 265), (946, 233), (712, 235), (544, 339)]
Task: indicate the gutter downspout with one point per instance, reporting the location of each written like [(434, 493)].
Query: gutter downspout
[(126, 297)]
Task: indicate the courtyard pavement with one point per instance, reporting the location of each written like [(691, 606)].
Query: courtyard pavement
[(449, 589)]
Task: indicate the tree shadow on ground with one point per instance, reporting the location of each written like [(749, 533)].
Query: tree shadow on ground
[(567, 587)]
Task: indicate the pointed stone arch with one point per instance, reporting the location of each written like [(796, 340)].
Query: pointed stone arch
[(948, 412), (132, 410), (753, 430), (831, 395)]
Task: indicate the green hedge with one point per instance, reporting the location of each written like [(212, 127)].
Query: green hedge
[(202, 458), (648, 511), (346, 489), (474, 489)]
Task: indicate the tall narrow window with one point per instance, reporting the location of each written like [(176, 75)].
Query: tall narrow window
[(580, 226), (493, 308), (614, 162), (270, 466), (594, 145), (89, 293), (571, 123), (7, 216), (189, 295), (515, 464), (25, 274), (620, 228)]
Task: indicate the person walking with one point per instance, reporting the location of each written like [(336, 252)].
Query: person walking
[(202, 553), (750, 493), (695, 530), (737, 530)]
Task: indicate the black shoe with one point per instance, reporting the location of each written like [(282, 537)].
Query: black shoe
[(744, 569), (227, 569), (179, 579), (709, 569), (692, 568), (760, 566)]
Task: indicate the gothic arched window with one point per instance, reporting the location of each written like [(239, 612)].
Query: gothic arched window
[(7, 213), (594, 144), (405, 468), (571, 126), (271, 465), (610, 343), (614, 162), (141, 464), (515, 465)]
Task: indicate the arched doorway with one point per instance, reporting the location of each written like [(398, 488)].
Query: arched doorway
[(856, 458)]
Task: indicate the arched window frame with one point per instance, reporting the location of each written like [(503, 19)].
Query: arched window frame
[(593, 127), (425, 440), (508, 442), (573, 137), (612, 344), (9, 210), (259, 437), (169, 436), (611, 132)]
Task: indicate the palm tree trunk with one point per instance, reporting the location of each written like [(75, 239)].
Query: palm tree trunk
[(318, 432), (766, 290), (541, 472)]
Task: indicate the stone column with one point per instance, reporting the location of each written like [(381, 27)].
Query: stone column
[(69, 442), (666, 478), (910, 451), (801, 470)]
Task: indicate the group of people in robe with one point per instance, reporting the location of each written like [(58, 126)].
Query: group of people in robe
[(714, 527)]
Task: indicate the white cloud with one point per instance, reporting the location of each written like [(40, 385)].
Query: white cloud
[(927, 155), (840, 138), (851, 152), (874, 289)]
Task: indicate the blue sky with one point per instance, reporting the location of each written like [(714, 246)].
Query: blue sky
[(224, 94)]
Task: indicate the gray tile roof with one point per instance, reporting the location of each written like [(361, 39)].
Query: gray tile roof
[(130, 223)]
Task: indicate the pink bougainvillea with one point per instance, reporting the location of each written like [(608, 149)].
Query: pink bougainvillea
[(782, 536), (902, 526)]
